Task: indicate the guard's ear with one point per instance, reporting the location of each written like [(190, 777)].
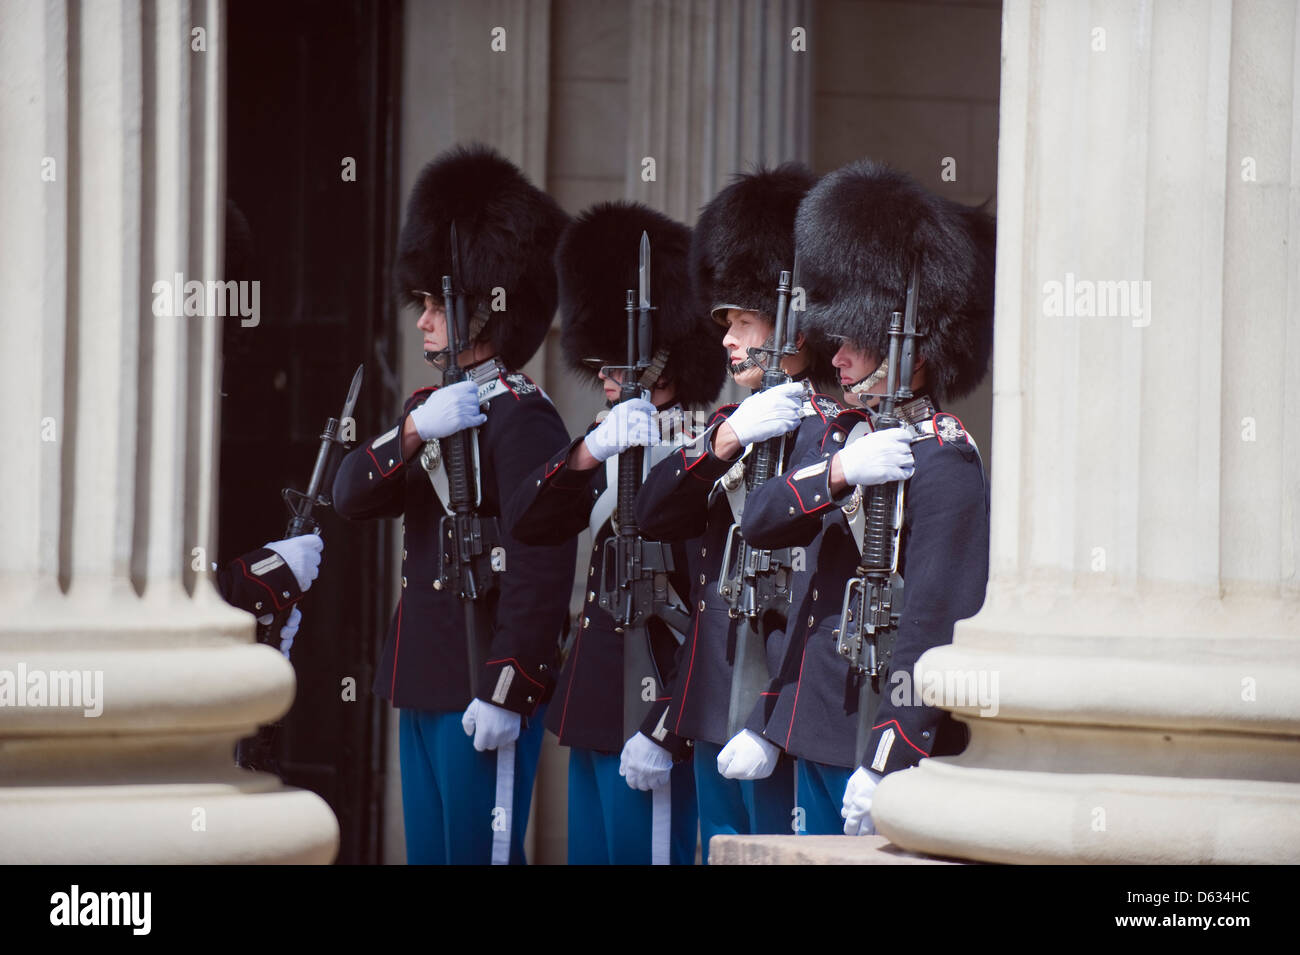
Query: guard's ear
[(799, 339)]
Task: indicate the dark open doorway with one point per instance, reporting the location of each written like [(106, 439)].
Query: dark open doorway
[(311, 85)]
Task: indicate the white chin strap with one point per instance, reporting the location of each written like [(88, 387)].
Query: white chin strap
[(869, 382)]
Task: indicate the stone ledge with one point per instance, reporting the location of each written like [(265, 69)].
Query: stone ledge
[(815, 850)]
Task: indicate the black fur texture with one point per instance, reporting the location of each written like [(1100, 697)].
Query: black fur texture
[(745, 237), (507, 230), (742, 241), (597, 263), (856, 233)]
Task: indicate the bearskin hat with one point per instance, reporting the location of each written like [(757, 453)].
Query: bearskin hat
[(744, 239), (856, 233), (507, 230), (597, 262)]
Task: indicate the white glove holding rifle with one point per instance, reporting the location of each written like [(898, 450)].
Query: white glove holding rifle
[(878, 458), (768, 414), (302, 554), (628, 424), (490, 725), (448, 410)]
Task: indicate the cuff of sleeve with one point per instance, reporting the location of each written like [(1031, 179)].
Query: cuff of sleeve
[(762, 712), (890, 749), (264, 583), (516, 686), (811, 485), (559, 475), (699, 460), (655, 726), (386, 450)]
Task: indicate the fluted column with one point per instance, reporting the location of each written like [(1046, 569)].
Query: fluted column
[(716, 86), (111, 179), (1142, 625)]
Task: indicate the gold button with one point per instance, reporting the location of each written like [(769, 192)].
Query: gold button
[(591, 595), (679, 472), (371, 476), (284, 593), (817, 497), (701, 606), (591, 571), (586, 622), (403, 580), (792, 510), (704, 551), (701, 578), (810, 621), (258, 605), (814, 593), (403, 553), (390, 462)]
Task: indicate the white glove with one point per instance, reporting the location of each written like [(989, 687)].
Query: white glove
[(645, 764), (768, 413), (490, 725), (289, 631), (748, 756), (857, 803), (878, 458), (302, 554), (628, 423), (448, 410)]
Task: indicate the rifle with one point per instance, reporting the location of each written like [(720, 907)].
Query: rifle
[(257, 752), (634, 571), (756, 580), (470, 554), (873, 595)]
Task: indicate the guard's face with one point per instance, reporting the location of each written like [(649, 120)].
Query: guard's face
[(611, 383), (433, 323), (854, 364), (745, 330)]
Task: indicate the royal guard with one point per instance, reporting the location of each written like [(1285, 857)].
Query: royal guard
[(631, 324), (902, 280), (471, 652), (740, 247)]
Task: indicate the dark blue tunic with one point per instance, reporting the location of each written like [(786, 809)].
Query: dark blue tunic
[(552, 504), (944, 553), (681, 500), (425, 660)]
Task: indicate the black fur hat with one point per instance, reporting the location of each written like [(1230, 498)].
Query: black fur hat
[(507, 230), (856, 232), (745, 237), (597, 263)]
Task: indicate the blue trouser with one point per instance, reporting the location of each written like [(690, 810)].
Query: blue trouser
[(741, 806), (453, 796), (611, 823), (821, 796)]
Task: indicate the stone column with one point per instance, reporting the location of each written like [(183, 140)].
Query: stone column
[(1143, 616), (111, 179), (715, 88)]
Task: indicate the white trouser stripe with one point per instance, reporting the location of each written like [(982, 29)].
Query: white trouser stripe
[(506, 801), (661, 824)]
